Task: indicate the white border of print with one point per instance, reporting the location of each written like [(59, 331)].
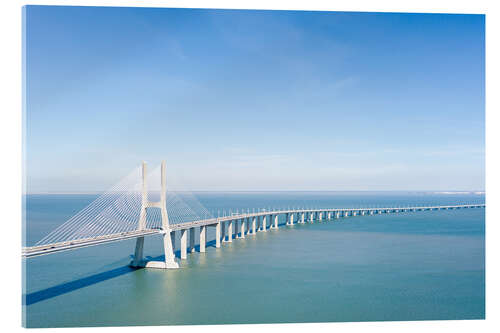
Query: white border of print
[(10, 131)]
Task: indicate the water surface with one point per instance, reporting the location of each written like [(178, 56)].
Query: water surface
[(406, 266)]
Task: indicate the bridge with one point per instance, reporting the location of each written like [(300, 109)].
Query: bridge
[(117, 224)]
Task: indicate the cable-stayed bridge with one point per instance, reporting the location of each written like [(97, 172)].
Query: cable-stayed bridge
[(131, 210)]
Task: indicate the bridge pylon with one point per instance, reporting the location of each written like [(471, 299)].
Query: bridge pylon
[(138, 260)]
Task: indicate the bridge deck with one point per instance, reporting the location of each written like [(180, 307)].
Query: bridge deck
[(39, 250)]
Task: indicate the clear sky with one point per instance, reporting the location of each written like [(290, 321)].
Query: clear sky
[(254, 100)]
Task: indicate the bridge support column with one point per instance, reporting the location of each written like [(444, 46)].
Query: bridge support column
[(230, 232), (276, 221), (217, 235), (203, 238), (169, 254), (303, 218), (184, 233), (191, 240), (223, 231), (139, 252), (264, 223), (254, 225), (172, 237), (242, 228), (236, 229), (311, 217), (168, 248)]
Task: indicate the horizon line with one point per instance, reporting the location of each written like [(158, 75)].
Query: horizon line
[(259, 191)]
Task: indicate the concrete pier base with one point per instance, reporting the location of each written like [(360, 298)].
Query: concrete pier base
[(169, 262), (168, 249)]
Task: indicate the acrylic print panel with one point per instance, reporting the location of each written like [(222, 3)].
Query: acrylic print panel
[(319, 166)]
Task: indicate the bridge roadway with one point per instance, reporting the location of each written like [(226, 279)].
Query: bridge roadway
[(309, 214)]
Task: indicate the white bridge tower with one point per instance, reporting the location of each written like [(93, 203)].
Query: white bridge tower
[(138, 260)]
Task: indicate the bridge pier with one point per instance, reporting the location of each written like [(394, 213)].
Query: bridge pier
[(184, 233), (236, 228), (203, 238), (230, 232), (264, 223), (172, 237), (191, 240), (168, 249), (217, 234), (223, 231), (254, 225), (243, 228), (139, 252), (276, 221)]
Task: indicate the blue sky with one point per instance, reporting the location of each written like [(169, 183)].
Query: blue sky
[(254, 100)]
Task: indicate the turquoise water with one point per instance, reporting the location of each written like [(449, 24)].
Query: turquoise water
[(406, 266)]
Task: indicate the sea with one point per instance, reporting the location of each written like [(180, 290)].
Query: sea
[(424, 265)]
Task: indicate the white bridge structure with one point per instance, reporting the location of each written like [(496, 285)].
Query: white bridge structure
[(122, 214)]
